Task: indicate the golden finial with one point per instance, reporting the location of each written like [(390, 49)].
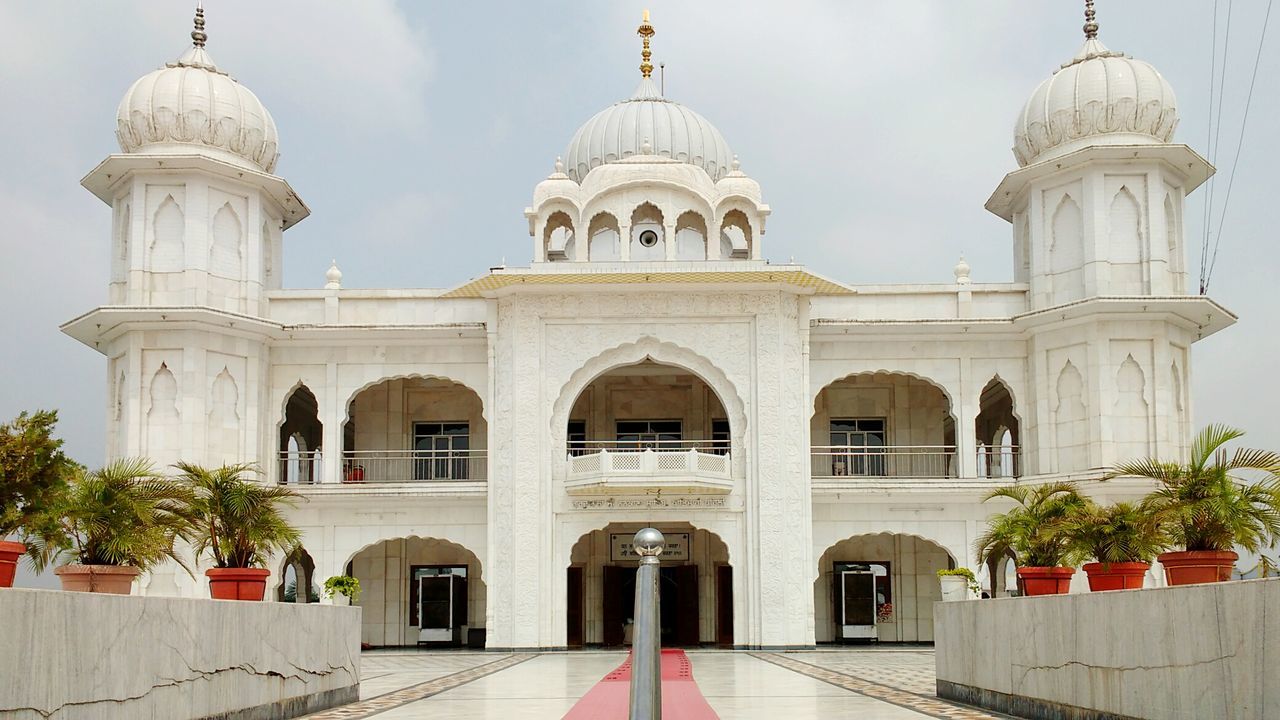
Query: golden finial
[(198, 35), (1090, 22), (645, 31)]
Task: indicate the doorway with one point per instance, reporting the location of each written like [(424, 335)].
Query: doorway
[(677, 604)]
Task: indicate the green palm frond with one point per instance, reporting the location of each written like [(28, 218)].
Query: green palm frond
[(237, 521), (1202, 504), (1031, 531)]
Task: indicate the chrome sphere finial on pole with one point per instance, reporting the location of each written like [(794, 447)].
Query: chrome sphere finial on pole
[(646, 655)]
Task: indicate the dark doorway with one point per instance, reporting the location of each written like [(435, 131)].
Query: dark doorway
[(573, 614), (678, 604), (724, 605)]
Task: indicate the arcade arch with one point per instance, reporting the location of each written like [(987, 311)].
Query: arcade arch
[(884, 584)]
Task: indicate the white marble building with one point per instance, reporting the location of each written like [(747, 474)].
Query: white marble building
[(649, 367)]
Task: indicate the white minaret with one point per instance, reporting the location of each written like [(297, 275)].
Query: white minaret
[(196, 241), (1097, 208)]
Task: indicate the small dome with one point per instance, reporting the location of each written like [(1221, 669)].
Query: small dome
[(671, 129), (192, 102), (1100, 97)]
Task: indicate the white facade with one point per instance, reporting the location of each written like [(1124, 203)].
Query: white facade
[(649, 367)]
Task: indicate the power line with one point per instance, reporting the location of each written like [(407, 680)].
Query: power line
[(1208, 144), (1215, 146), (1235, 163)]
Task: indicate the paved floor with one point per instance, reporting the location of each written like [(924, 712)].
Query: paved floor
[(870, 684)]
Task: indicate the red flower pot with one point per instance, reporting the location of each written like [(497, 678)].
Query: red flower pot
[(1197, 566), (107, 579), (237, 583), (1045, 580), (1116, 576), (9, 554)]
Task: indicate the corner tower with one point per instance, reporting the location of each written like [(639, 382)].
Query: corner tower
[(196, 235)]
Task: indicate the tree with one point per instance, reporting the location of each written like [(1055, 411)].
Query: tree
[(123, 514), (1033, 529), (237, 521), (1203, 504), (1119, 533), (33, 470)]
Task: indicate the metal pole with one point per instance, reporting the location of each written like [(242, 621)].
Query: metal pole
[(646, 655)]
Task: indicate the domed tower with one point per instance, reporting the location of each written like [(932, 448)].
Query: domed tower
[(647, 179), (198, 212), (196, 242), (1097, 214), (1097, 204)]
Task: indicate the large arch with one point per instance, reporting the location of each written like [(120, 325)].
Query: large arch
[(884, 423), (387, 569), (650, 348), (904, 567), (374, 449), (698, 588)]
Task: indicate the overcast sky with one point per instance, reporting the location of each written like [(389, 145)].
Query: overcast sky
[(416, 133)]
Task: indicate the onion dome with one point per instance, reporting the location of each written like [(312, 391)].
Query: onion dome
[(1099, 97), (669, 130), (736, 182), (190, 101)]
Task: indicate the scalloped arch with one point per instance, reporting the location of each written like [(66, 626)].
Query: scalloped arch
[(649, 348), (951, 402), (395, 535), (346, 416)]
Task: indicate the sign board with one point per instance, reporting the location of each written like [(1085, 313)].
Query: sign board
[(677, 548)]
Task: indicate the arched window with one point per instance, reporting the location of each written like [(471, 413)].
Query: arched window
[(647, 241), (557, 237), (735, 236), (691, 236), (604, 233)]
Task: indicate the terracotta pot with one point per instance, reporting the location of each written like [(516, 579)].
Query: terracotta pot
[(1197, 566), (237, 583), (1045, 580), (1116, 576), (107, 579), (9, 554)]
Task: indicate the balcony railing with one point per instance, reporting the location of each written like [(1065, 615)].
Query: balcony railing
[(389, 466), (892, 461), (704, 465), (1000, 461)]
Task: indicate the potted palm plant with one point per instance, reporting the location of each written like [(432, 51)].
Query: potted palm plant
[(110, 525), (1032, 531), (239, 523), (1207, 509), (33, 471), (1121, 538)]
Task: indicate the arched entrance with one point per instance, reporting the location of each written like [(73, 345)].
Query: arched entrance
[(414, 429), (878, 587), (883, 424), (301, 437), (998, 432), (696, 587), (420, 591)]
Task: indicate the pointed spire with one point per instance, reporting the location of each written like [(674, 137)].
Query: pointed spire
[(646, 32), (198, 36), (1090, 21)]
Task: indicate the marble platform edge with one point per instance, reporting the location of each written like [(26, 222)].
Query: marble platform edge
[(293, 707), (1019, 706)]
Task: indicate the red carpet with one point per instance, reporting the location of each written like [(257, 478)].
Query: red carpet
[(681, 698)]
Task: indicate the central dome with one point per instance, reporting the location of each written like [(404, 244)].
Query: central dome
[(670, 129), (647, 124)]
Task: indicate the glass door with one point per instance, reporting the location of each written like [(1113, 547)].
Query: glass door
[(441, 451), (862, 442)]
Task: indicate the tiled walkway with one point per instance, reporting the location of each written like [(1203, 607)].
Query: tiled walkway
[(870, 684)]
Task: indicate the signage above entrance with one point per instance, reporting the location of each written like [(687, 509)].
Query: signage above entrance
[(620, 549)]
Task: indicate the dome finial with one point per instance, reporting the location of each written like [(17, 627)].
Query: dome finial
[(198, 35), (1090, 21), (646, 55)]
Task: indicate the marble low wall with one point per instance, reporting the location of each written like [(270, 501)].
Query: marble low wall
[(1177, 653), (67, 655)]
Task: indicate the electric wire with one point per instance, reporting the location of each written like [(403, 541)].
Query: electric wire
[(1208, 142), (1235, 163), (1214, 147)]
